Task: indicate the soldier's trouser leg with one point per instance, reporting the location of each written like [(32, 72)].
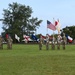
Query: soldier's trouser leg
[(8, 46), (40, 46), (2, 46), (11, 46), (58, 46), (53, 46), (47, 46), (64, 45)]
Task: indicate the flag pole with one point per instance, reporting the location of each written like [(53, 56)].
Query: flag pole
[(47, 30), (54, 24)]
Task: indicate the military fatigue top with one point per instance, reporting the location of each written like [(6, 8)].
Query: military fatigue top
[(47, 38), (64, 39), (59, 39)]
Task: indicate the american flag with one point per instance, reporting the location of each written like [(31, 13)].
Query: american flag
[(50, 25)]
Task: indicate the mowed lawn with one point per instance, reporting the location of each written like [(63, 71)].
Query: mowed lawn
[(29, 60)]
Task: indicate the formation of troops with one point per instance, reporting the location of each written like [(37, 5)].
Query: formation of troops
[(60, 41)]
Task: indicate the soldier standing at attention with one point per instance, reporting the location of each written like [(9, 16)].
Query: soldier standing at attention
[(9, 42), (64, 41), (58, 41), (53, 43), (1, 42), (40, 42), (47, 42)]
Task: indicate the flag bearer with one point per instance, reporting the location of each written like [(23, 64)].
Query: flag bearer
[(9, 42), (59, 41), (64, 39), (47, 42), (40, 42), (53, 43)]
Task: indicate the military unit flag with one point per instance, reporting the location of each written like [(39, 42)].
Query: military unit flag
[(58, 25), (17, 38)]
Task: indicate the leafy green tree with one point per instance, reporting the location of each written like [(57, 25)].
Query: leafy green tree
[(69, 30), (33, 24), (17, 20)]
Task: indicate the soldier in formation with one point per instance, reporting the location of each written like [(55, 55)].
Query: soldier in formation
[(64, 39), (9, 43), (40, 42), (59, 41), (1, 42), (53, 43), (47, 42)]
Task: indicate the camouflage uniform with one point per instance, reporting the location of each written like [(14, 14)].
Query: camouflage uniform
[(53, 43), (47, 42), (40, 43), (1, 42), (9, 43), (64, 39), (58, 41)]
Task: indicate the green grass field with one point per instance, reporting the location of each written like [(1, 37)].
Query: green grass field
[(29, 60)]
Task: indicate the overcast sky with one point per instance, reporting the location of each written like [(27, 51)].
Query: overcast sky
[(64, 10)]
